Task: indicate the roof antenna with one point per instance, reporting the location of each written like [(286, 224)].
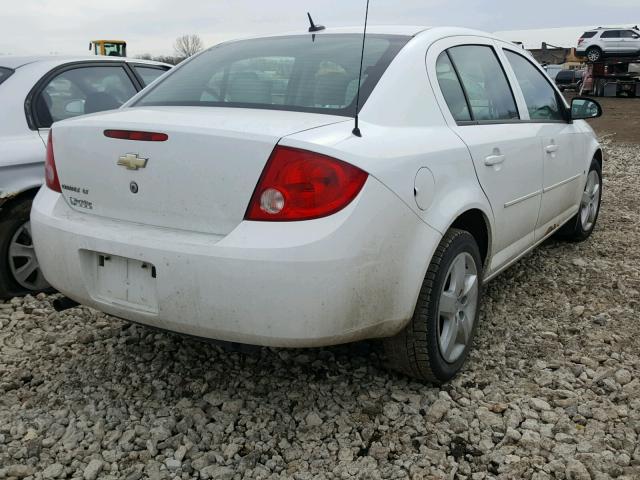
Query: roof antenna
[(313, 27), (356, 129)]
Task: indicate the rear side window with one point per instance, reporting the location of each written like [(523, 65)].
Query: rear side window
[(484, 82), (80, 91), (611, 34), (451, 89), (539, 95), (588, 34), (148, 74), (5, 73), (315, 73)]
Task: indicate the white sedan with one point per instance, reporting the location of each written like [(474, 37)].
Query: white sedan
[(232, 200), (35, 92)]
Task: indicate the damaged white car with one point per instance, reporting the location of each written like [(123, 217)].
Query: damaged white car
[(34, 93)]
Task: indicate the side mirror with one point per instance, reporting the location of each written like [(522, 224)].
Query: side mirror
[(585, 108)]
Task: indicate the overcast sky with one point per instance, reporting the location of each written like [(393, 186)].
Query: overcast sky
[(151, 26)]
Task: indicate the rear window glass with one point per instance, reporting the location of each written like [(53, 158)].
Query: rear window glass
[(451, 89), (485, 83), (5, 73), (302, 73), (588, 35)]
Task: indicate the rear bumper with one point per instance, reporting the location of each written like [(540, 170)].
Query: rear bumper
[(350, 276)]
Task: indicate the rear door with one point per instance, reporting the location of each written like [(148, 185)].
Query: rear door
[(611, 41), (560, 142), (480, 107)]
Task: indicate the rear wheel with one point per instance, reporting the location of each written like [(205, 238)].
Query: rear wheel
[(594, 54), (19, 269), (581, 226), (437, 340)]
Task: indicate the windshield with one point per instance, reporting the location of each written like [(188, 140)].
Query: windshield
[(314, 73), (5, 73)]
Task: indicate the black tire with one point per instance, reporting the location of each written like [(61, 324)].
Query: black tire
[(593, 54), (415, 351), (575, 230), (13, 216)]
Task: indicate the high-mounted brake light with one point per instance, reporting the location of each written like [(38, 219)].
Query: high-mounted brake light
[(301, 185), (134, 135), (50, 172)]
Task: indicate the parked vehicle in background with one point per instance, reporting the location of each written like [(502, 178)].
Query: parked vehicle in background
[(601, 42), (552, 70), (35, 92), (235, 201), (569, 80)]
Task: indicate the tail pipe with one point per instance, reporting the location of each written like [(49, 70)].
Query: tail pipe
[(64, 303)]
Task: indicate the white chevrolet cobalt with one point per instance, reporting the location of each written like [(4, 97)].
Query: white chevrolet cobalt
[(235, 200)]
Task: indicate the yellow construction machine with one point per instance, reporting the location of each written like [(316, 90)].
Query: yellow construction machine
[(112, 48)]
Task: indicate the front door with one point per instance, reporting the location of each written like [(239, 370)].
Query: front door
[(559, 142)]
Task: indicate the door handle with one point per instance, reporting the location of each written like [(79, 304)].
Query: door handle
[(551, 148), (492, 160)]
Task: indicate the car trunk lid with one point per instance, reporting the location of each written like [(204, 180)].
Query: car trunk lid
[(200, 179)]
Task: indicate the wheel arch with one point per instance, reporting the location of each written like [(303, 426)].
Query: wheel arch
[(598, 155), (477, 223), (10, 198)]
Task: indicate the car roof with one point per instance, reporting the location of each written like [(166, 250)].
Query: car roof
[(600, 29), (401, 30), (13, 62), (432, 33)]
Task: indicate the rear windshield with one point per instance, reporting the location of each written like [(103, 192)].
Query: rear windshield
[(316, 73), (5, 73), (565, 75), (588, 35)]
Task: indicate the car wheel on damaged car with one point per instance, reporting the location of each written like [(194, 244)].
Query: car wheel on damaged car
[(19, 269), (261, 218)]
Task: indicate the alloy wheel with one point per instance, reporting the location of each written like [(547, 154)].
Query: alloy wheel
[(23, 262), (590, 201), (457, 307)]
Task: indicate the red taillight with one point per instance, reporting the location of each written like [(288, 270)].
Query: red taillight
[(50, 172), (134, 135), (301, 185)]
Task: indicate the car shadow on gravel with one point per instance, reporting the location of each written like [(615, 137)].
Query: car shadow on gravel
[(193, 366)]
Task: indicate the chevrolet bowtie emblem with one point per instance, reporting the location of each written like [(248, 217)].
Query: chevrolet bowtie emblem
[(132, 161)]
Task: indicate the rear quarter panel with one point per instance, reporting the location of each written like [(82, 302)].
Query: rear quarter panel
[(394, 155)]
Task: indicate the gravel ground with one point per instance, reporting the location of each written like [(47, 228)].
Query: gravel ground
[(551, 390)]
